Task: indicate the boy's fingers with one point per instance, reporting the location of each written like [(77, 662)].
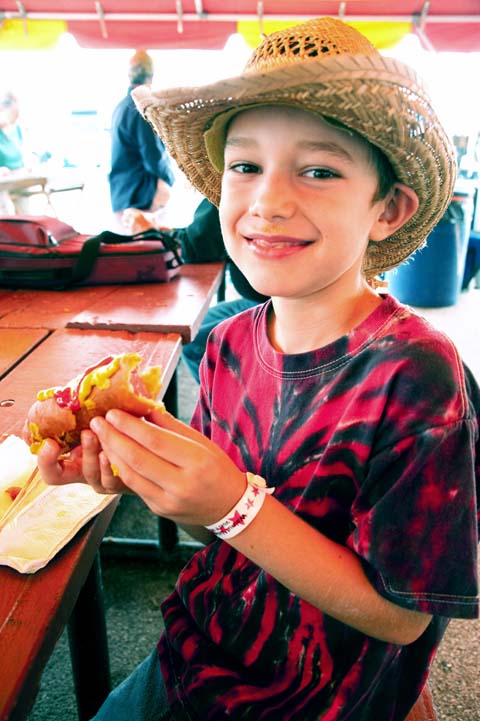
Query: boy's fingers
[(90, 460), (55, 470), (168, 441), (110, 480), (49, 451)]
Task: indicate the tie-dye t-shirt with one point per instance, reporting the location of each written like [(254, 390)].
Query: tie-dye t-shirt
[(371, 440)]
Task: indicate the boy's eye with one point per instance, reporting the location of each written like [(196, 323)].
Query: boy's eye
[(244, 167), (320, 173)]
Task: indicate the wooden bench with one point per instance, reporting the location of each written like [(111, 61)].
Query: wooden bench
[(424, 709)]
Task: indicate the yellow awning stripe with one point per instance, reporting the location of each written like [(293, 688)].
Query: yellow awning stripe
[(30, 34)]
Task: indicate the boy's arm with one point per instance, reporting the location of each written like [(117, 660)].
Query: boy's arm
[(324, 573), (199, 533)]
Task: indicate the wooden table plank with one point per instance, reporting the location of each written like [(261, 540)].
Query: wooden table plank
[(15, 345), (34, 609), (178, 306), (50, 309), (66, 353)]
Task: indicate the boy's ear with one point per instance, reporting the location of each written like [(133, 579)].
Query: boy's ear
[(399, 206)]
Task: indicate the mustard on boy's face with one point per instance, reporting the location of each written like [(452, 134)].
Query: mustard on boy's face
[(297, 201)]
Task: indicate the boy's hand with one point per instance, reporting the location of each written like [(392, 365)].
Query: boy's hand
[(178, 472), (84, 464)]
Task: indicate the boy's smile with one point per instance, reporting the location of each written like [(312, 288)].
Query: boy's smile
[(296, 207)]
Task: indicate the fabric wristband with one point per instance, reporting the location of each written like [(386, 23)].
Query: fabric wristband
[(243, 513)]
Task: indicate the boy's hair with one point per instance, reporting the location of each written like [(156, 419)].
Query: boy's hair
[(326, 67), (384, 170), (378, 161)]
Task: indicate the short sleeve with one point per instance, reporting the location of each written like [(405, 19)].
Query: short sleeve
[(416, 521)]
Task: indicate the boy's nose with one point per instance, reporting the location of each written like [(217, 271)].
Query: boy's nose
[(273, 198)]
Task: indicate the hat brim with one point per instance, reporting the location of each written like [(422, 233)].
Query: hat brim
[(377, 97)]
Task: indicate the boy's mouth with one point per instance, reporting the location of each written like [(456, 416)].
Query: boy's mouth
[(275, 242)]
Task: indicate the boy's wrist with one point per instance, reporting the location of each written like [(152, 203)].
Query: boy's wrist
[(244, 511)]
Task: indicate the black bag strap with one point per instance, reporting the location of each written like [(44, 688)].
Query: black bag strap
[(166, 237), (91, 249), (86, 260)]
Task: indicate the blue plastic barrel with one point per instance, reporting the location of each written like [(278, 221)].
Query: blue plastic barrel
[(433, 276)]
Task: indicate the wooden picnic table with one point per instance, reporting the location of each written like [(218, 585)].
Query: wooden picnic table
[(35, 608), (175, 307), (14, 346), (178, 306), (16, 181), (50, 309)]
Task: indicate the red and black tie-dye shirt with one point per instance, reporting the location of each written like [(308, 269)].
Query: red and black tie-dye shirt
[(373, 440)]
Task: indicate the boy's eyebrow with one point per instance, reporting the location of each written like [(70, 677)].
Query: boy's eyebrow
[(239, 141), (325, 146)]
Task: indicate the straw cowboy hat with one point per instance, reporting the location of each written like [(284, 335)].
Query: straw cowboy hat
[(326, 67)]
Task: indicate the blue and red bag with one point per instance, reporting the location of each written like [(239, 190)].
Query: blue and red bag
[(44, 252)]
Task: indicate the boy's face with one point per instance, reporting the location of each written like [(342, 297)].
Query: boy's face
[(297, 204)]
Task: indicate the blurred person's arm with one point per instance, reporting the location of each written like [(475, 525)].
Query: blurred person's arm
[(136, 221), (201, 241)]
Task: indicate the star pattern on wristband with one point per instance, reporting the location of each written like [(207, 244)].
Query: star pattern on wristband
[(238, 518), (246, 509)]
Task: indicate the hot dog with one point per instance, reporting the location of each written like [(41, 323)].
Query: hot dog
[(115, 382)]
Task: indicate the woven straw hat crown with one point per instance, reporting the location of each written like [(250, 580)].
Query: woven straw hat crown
[(328, 68), (315, 39)]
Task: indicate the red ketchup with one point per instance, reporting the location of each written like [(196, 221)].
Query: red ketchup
[(13, 491), (68, 397)]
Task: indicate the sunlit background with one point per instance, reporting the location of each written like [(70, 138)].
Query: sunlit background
[(67, 95)]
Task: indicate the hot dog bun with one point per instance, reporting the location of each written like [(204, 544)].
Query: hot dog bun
[(115, 382)]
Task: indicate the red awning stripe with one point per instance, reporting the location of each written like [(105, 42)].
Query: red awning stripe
[(443, 24)]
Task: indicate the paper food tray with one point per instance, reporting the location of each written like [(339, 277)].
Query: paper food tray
[(47, 516), (34, 536)]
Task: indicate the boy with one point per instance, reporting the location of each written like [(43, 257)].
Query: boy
[(324, 590)]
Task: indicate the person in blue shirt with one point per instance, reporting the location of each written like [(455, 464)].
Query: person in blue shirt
[(141, 173), (11, 151)]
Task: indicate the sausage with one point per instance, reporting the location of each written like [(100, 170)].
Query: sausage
[(114, 382)]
